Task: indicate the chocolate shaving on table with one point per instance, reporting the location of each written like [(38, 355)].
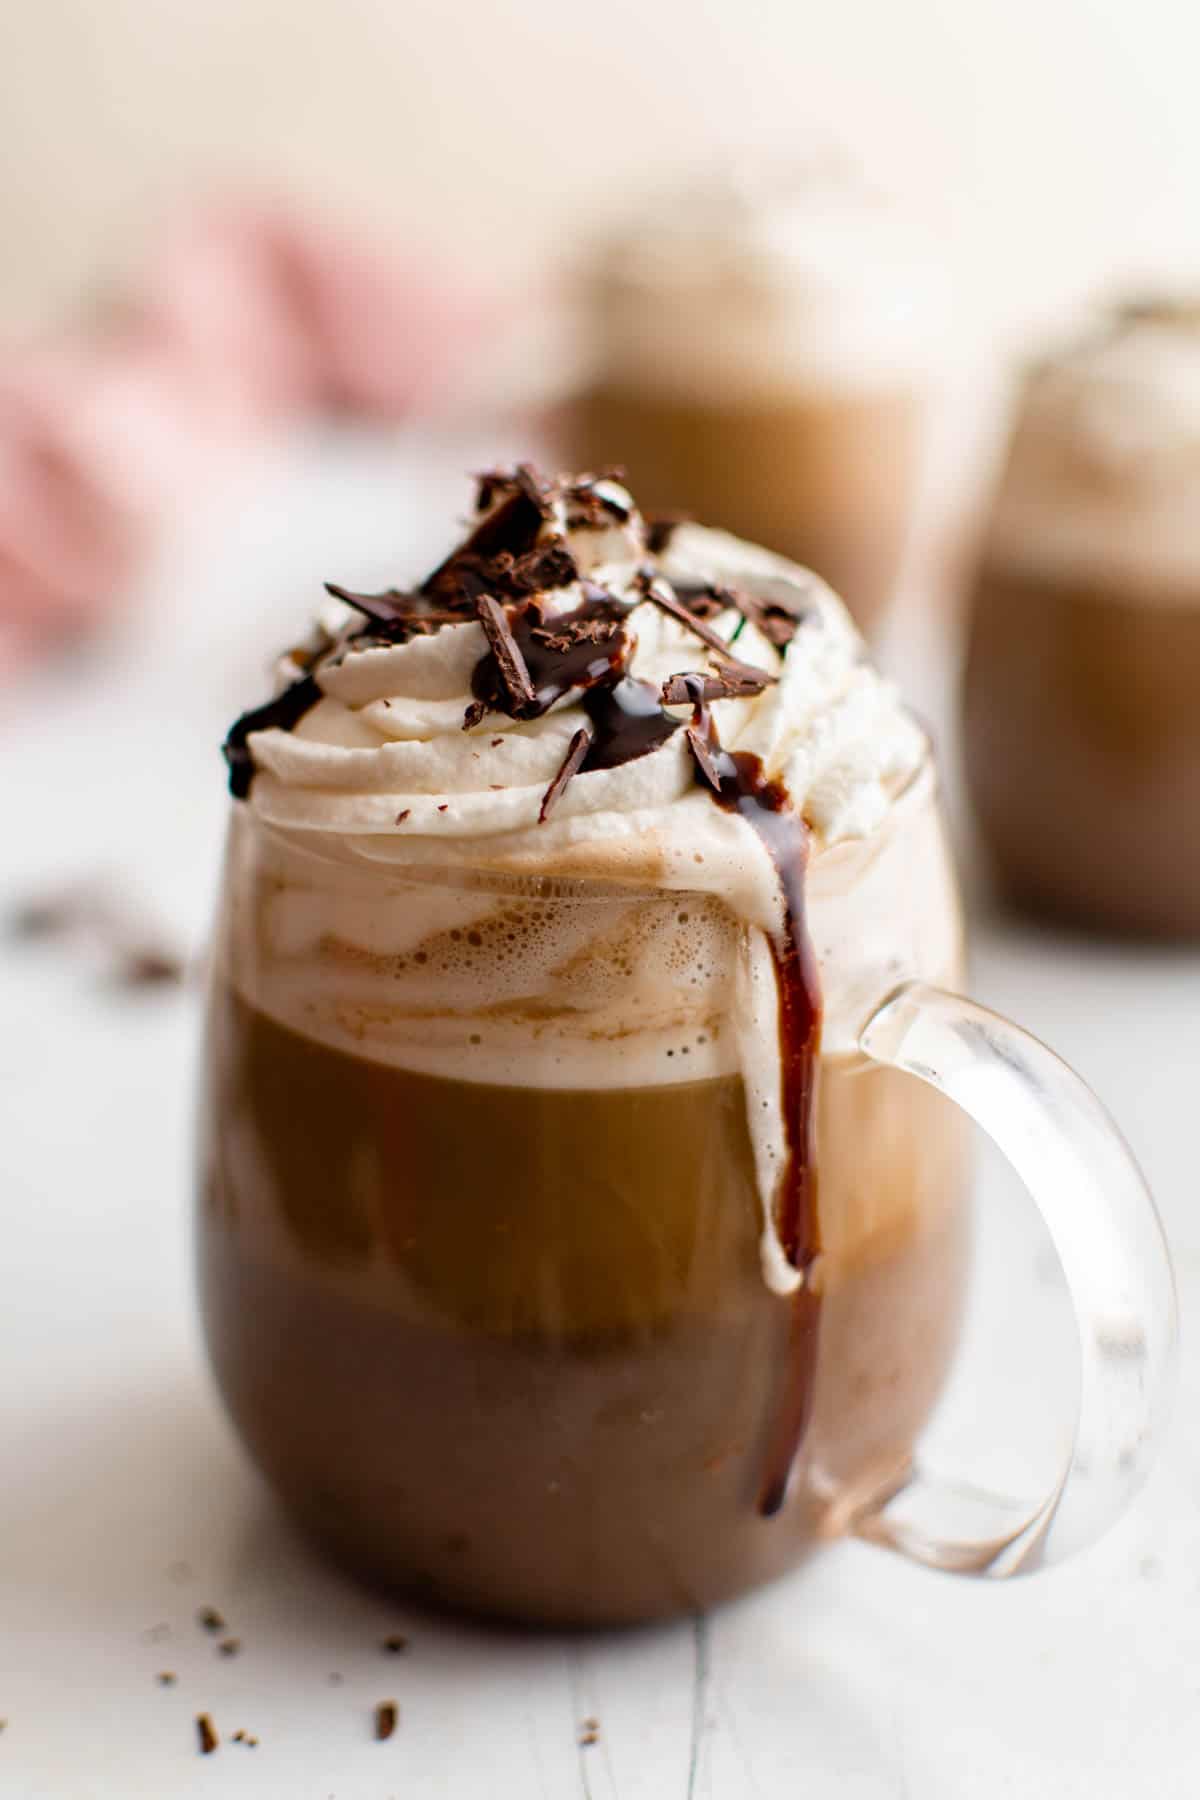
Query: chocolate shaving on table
[(569, 767), (91, 915), (147, 966), (206, 1731), (509, 661), (386, 1715), (283, 713)]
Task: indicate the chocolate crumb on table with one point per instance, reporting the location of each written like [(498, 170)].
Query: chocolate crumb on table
[(229, 1646), (209, 1619), (589, 1733), (166, 1678), (396, 1643), (206, 1731), (387, 1714)]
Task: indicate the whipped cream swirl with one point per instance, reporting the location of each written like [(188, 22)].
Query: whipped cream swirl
[(387, 753)]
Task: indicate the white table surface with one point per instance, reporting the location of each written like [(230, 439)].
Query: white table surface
[(125, 1504)]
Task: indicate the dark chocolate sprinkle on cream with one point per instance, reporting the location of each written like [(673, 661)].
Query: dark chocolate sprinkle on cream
[(569, 767), (733, 680), (206, 1731), (387, 1715), (509, 661)]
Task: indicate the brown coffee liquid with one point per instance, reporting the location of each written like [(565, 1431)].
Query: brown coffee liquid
[(512, 1348), (1082, 739)]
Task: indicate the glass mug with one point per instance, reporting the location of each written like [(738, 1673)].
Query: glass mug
[(499, 1335)]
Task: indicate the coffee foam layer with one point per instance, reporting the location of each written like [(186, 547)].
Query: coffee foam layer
[(753, 285), (1103, 475)]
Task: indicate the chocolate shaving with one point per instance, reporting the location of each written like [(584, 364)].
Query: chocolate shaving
[(207, 1733), (143, 967), (536, 489), (514, 527), (386, 1715), (475, 714), (733, 680), (406, 814), (509, 661), (655, 588), (698, 745), (701, 733), (392, 607), (775, 619), (571, 763)]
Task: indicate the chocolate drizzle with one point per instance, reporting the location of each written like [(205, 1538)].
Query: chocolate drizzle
[(285, 712), (738, 783), (627, 722)]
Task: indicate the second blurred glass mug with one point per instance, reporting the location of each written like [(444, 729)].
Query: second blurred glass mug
[(506, 1342)]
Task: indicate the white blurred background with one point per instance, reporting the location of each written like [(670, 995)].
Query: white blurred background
[(1053, 146)]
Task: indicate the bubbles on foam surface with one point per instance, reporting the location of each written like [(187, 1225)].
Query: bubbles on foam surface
[(513, 987)]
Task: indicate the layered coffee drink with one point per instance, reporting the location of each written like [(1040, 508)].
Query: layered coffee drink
[(1082, 687), (562, 1256), (762, 355)]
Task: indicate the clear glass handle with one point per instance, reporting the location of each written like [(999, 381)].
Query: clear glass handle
[(1100, 1215)]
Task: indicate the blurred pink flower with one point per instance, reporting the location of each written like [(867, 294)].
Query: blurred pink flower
[(250, 315)]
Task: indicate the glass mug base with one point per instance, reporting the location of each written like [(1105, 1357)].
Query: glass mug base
[(527, 1364)]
